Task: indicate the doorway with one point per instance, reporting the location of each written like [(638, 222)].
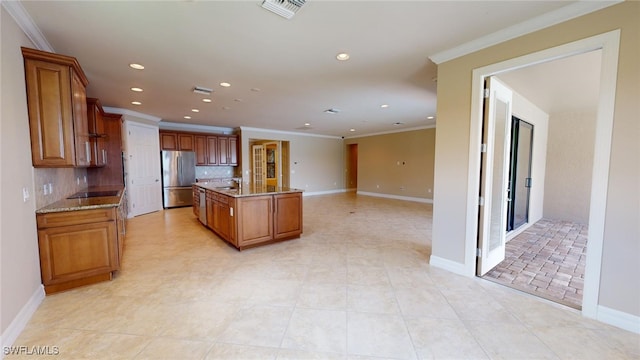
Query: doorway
[(269, 163), (352, 167), (519, 173), (608, 43)]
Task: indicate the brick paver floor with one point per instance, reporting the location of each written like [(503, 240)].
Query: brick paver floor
[(546, 260)]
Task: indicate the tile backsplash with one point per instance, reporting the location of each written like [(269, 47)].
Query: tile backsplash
[(64, 182), (215, 172)]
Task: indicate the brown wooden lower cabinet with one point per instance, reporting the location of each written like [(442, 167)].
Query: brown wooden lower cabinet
[(247, 221), (254, 220), (79, 247)]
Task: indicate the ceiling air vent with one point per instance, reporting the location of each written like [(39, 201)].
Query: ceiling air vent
[(284, 8), (202, 90), (332, 111)]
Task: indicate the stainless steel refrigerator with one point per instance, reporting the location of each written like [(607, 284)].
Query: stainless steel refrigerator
[(178, 174)]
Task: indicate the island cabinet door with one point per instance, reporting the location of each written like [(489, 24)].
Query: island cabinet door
[(254, 217), (287, 215), (211, 215)]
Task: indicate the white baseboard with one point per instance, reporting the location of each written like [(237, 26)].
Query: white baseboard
[(313, 193), (397, 197), (619, 319), (452, 266), (12, 332)]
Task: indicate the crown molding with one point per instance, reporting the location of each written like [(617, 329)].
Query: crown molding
[(114, 110), (392, 131), (167, 125), (25, 22), (243, 128), (563, 14)]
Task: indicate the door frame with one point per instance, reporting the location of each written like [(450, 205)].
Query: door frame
[(609, 43)]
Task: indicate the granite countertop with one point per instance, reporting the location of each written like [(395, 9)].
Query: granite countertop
[(245, 190), (87, 203)]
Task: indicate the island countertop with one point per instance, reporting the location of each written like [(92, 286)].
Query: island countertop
[(87, 203), (245, 190)]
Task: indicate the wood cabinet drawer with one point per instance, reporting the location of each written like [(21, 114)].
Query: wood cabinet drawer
[(65, 218)]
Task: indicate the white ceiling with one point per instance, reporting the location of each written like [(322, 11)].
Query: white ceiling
[(292, 62), (568, 84)]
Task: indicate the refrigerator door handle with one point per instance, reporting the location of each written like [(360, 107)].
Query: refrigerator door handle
[(179, 160)]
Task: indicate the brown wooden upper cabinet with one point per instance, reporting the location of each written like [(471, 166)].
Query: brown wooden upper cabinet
[(97, 133), (185, 142), (210, 149), (57, 105), (228, 150)]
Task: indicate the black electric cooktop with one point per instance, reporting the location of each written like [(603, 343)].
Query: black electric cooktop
[(90, 194)]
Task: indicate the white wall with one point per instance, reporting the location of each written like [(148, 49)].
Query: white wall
[(20, 286), (317, 162)]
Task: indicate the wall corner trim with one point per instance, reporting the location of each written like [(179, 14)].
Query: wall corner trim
[(451, 266), (28, 26), (18, 324), (619, 319), (397, 197), (120, 111)]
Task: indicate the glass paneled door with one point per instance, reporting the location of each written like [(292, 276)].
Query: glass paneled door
[(496, 139), (519, 173)]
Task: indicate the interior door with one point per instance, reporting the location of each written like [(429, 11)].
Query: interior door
[(494, 175), (143, 168), (259, 166)]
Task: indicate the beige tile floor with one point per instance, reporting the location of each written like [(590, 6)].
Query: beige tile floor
[(356, 285)]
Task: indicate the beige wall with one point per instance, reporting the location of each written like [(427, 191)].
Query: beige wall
[(569, 165), (317, 163), (621, 248), (397, 164), (20, 267)]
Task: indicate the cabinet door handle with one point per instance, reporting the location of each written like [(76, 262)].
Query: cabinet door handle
[(87, 148), (104, 156)]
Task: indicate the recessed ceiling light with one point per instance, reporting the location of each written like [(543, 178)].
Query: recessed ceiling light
[(352, 130), (136, 89), (225, 84), (136, 66), (195, 110), (384, 106), (430, 117), (307, 124), (187, 117), (207, 100), (136, 103), (343, 56)]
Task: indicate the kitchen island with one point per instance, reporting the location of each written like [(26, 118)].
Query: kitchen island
[(249, 216)]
